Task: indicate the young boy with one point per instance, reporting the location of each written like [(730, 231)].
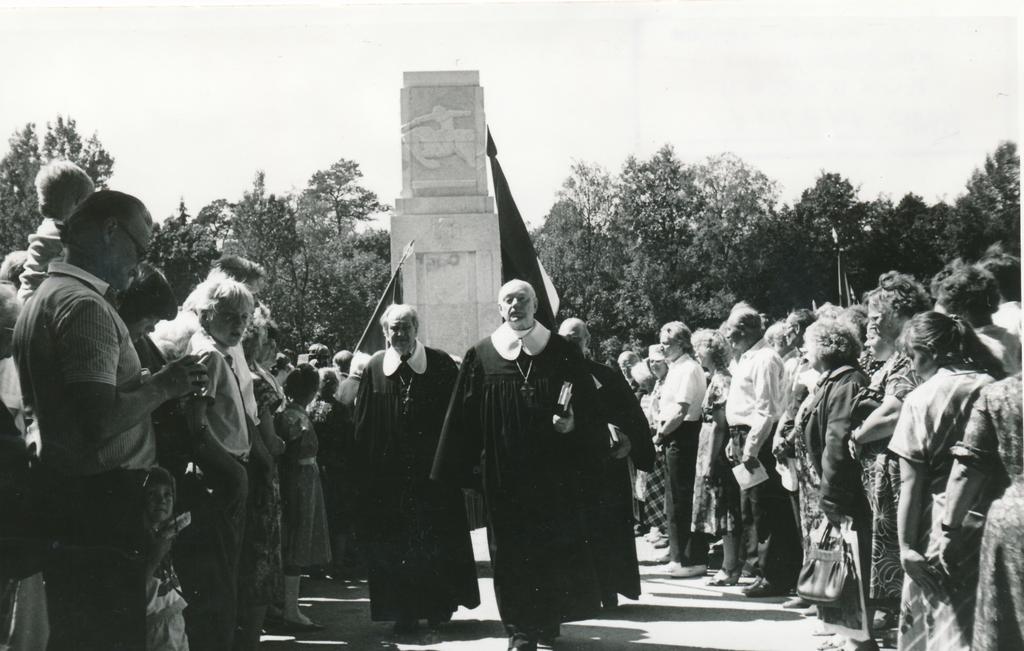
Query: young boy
[(60, 187), (165, 625)]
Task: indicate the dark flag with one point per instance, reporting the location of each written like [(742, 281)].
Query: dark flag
[(518, 257), (373, 337)]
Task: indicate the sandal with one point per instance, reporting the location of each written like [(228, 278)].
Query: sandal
[(834, 642), (723, 578)]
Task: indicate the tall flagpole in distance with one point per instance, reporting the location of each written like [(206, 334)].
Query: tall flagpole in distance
[(392, 294)]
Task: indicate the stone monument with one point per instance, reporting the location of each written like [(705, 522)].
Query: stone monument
[(454, 273)]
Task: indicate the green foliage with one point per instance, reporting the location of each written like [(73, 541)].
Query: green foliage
[(665, 240), (183, 248), (19, 208)]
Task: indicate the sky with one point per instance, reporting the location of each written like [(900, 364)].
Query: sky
[(191, 101)]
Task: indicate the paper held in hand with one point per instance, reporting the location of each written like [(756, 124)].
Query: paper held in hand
[(749, 478), (564, 396)]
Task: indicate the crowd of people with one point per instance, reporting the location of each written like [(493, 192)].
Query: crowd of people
[(168, 475)]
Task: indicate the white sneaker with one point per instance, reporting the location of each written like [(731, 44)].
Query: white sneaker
[(688, 571), (672, 567)]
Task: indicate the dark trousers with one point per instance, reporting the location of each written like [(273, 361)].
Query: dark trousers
[(686, 547), (771, 534), (206, 555), (94, 573)]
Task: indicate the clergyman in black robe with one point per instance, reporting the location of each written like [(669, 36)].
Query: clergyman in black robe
[(534, 460), (413, 530), (611, 518)]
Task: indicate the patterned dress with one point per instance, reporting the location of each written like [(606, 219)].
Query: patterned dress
[(260, 578), (716, 501), (932, 421), (994, 444), (655, 488), (881, 477)]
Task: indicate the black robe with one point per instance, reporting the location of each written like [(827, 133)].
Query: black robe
[(413, 530), (535, 480), (612, 519)]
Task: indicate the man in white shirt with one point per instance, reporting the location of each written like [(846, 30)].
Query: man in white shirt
[(678, 429), (751, 409)]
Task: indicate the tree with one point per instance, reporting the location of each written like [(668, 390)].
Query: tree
[(990, 209), (62, 141), (183, 248), (19, 207), (337, 189)]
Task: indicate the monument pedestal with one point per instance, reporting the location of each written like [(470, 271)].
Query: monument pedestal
[(454, 274)]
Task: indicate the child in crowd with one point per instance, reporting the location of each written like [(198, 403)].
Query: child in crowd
[(305, 540), (165, 625), (60, 186)]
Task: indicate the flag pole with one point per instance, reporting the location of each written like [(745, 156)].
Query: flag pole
[(406, 252)]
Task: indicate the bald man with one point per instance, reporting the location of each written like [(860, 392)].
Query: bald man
[(535, 459), (611, 517)]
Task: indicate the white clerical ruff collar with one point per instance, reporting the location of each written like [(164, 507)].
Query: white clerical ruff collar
[(417, 362), (509, 342)]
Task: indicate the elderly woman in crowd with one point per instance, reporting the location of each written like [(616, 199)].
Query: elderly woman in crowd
[(716, 495), (946, 354), (989, 465), (830, 485), (897, 298), (259, 572), (656, 485)]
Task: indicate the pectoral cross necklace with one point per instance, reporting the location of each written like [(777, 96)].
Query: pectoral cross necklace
[(526, 389)]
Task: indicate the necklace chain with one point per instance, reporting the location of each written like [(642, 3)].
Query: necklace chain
[(529, 369)]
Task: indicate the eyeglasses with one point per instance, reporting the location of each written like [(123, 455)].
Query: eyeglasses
[(140, 251)]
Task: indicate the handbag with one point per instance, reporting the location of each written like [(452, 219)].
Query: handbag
[(828, 566)]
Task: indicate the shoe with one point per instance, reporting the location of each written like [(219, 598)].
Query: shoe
[(406, 627), (689, 571), (661, 544), (292, 626), (639, 531), (723, 578), (764, 589), (671, 567), (520, 642), (653, 534), (796, 603)]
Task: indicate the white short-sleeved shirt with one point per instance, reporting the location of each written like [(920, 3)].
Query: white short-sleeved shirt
[(226, 415), (684, 383)]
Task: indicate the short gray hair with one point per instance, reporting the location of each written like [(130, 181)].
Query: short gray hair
[(400, 308), (678, 333), (837, 343)]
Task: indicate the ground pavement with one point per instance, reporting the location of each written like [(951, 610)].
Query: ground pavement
[(671, 613)]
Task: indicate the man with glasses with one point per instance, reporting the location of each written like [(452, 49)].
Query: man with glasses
[(83, 383)]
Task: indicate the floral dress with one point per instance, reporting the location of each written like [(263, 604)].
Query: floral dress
[(993, 443), (305, 539), (881, 477), (716, 495)]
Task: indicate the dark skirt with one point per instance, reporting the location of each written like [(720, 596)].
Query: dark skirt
[(304, 539)]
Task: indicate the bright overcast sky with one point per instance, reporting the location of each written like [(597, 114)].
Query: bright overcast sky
[(191, 101)]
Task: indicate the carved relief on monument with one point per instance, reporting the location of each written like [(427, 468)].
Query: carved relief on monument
[(433, 137)]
